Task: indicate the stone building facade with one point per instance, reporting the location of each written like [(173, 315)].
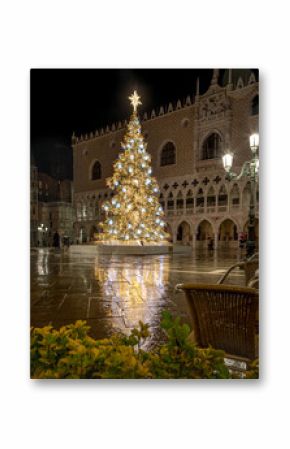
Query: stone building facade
[(33, 204), (186, 142), (51, 209)]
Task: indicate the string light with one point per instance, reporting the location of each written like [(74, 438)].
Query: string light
[(132, 172)]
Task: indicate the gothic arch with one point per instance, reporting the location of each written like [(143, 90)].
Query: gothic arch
[(170, 201), (167, 153), (235, 196), (228, 230), (212, 145), (95, 170), (184, 232), (200, 197), (222, 196), (189, 199), (179, 200), (204, 230), (205, 219), (211, 197)]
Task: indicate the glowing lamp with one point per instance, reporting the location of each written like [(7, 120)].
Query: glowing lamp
[(228, 161), (254, 142)]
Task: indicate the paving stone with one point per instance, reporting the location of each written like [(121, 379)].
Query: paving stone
[(114, 292)]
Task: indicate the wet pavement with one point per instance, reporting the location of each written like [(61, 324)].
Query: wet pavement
[(112, 293)]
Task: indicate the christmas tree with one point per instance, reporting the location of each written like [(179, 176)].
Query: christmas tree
[(134, 212)]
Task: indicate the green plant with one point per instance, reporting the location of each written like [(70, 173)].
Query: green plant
[(71, 353)]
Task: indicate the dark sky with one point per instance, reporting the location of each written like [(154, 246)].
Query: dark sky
[(82, 100)]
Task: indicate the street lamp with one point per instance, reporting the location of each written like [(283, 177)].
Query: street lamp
[(250, 169), (43, 231)]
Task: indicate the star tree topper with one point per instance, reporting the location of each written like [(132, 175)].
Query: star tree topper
[(135, 100)]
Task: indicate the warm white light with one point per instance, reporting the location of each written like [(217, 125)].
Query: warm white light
[(254, 142), (257, 165), (228, 161), (135, 100)]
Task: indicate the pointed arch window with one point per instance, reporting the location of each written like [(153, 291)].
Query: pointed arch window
[(168, 154), (170, 201), (212, 147), (189, 200), (200, 198), (179, 201), (222, 197), (211, 198), (96, 171)]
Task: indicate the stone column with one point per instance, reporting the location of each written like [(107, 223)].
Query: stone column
[(216, 240)]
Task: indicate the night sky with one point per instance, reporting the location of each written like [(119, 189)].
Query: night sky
[(82, 100)]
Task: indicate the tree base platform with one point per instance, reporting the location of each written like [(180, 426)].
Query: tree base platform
[(96, 248)]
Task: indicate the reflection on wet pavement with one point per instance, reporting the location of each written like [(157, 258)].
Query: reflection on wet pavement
[(112, 293)]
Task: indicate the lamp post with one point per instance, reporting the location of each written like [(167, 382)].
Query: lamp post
[(250, 169), (43, 229)]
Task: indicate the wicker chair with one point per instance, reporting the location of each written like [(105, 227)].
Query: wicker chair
[(250, 266), (224, 317)]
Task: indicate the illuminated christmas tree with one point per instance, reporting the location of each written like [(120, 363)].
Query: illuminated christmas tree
[(134, 212)]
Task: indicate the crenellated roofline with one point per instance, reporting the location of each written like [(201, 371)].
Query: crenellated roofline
[(190, 101)]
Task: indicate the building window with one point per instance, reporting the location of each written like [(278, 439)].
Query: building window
[(168, 154), (96, 171), (212, 147), (255, 105)]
